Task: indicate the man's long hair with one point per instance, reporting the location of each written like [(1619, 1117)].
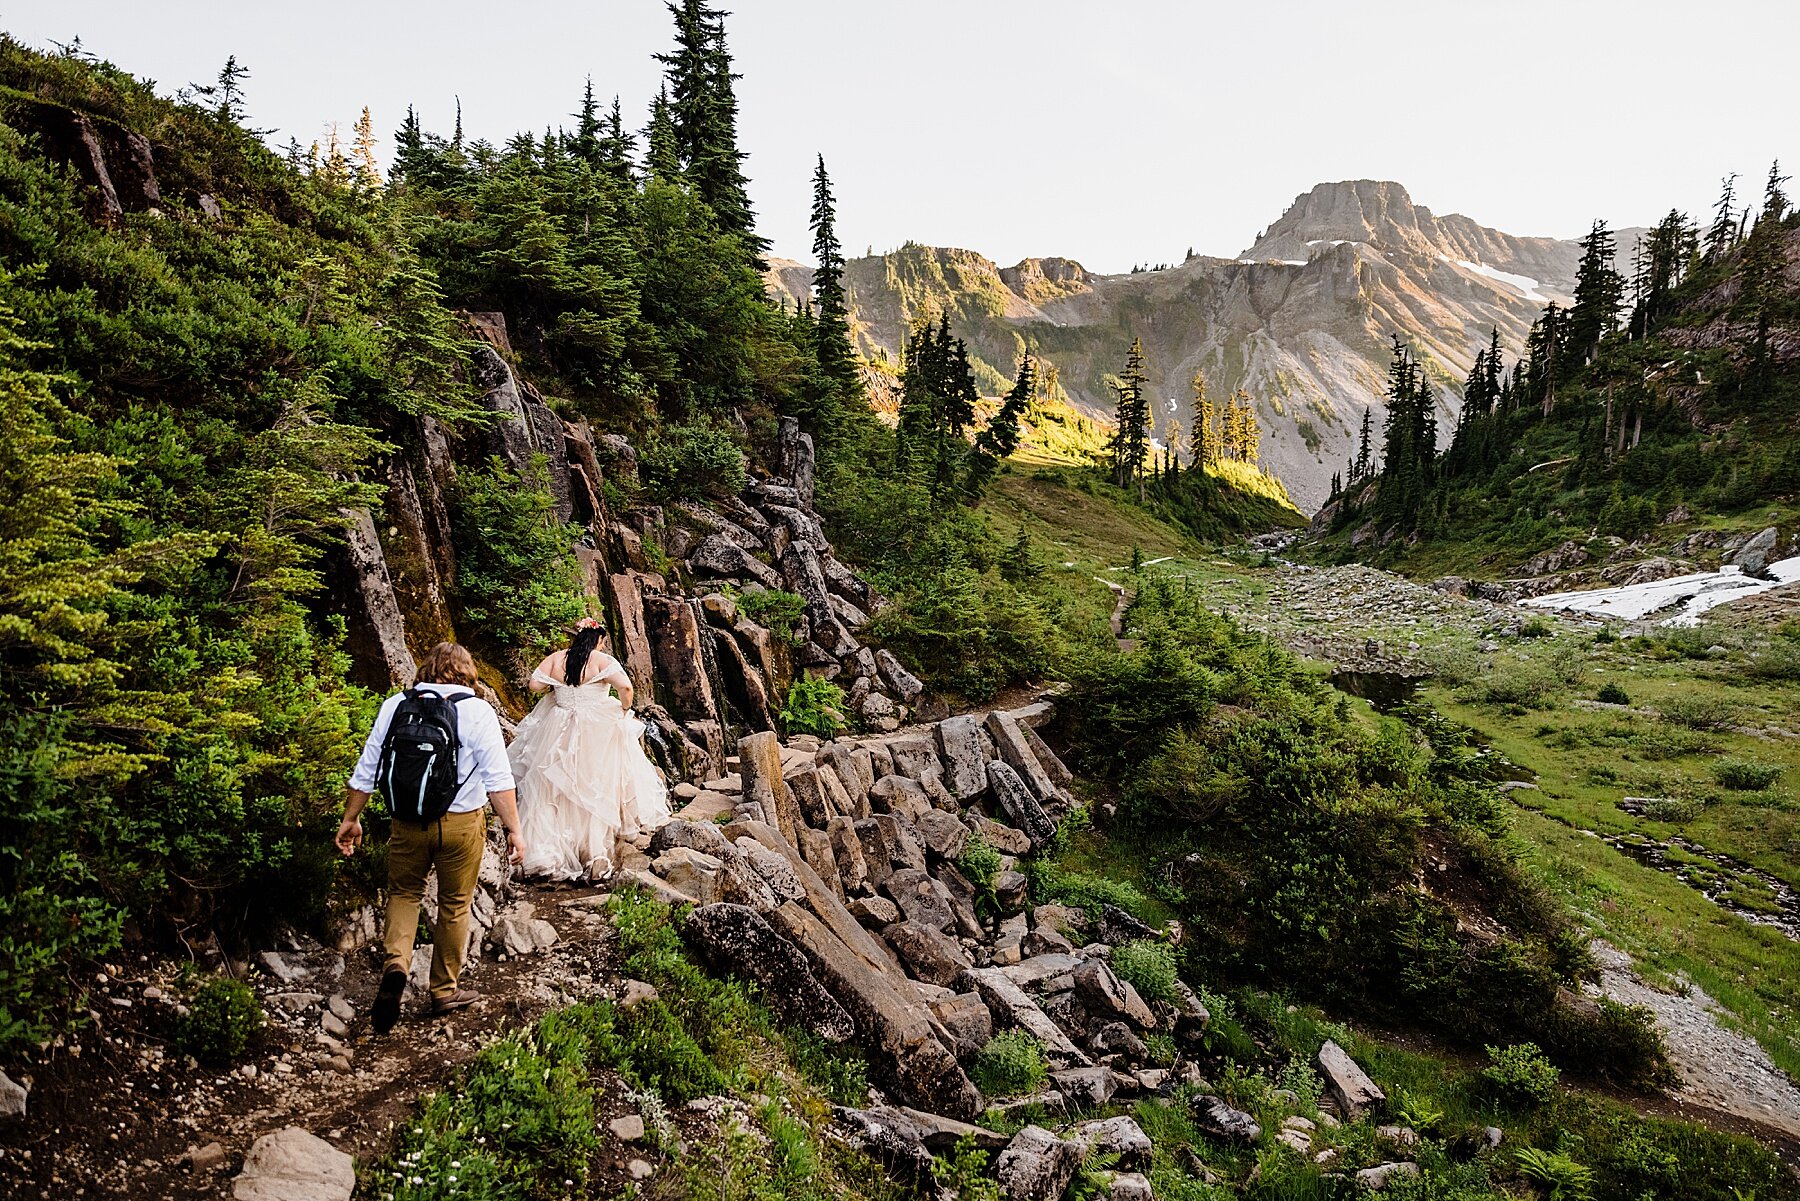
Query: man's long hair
[(448, 663)]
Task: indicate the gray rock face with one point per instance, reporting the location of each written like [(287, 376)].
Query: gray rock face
[(922, 899), (13, 1096), (1010, 1006), (889, 1137), (915, 757), (1036, 1166), (943, 835), (1004, 839), (1219, 1119), (1019, 803), (1118, 1136), (900, 796), (928, 953), (903, 843), (1010, 891), (847, 850), (292, 1165), (905, 684), (697, 836), (719, 555), (737, 939), (965, 763), (1129, 1186), (965, 1018), (1350, 1086), (1009, 739), (1088, 1088), (1753, 556), (1108, 997)]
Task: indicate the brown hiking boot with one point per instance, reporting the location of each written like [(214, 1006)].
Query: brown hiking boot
[(462, 998), (386, 1010)]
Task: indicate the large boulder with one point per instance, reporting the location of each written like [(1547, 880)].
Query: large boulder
[(921, 898), (965, 1018), (901, 797), (759, 760), (1010, 1006), (928, 953), (1754, 554), (1036, 1166), (1019, 803), (915, 757), (698, 836), (1108, 997), (905, 684), (943, 835), (13, 1097), (1356, 1095), (680, 657), (738, 940), (1120, 1138), (1217, 1118), (891, 1138), (293, 1165), (964, 758), (847, 850), (1013, 746), (904, 848)]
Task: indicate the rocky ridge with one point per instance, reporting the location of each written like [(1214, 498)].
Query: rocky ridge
[(1301, 320)]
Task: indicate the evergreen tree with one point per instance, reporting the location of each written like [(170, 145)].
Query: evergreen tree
[(1131, 439), (703, 108), (1247, 436), (937, 405), (837, 356), (1364, 464), (1722, 235), (662, 157), (1775, 201), (616, 147), (1543, 354), (1209, 446), (1599, 293), (362, 152), (995, 444), (586, 143)]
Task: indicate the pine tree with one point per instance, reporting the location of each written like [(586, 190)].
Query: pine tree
[(1364, 464), (1775, 201), (662, 156), (1247, 435), (231, 90), (1131, 440), (1209, 446), (586, 143), (1599, 293), (995, 444), (1723, 234), (616, 147), (837, 356), (362, 153), (703, 108)]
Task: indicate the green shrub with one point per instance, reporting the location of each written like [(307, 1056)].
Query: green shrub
[(838, 1071), (813, 706), (660, 1053), (980, 862), (1612, 694), (222, 1018), (516, 577), (1162, 1049), (1746, 775), (1537, 627), (1011, 1065), (1697, 712), (1566, 1179), (1528, 686), (690, 462), (1085, 890), (780, 611), (1147, 966), (1520, 1074)]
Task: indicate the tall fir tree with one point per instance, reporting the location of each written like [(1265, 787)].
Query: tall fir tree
[(662, 155), (1131, 438), (1721, 236), (837, 357), (1599, 294), (1209, 447), (704, 110), (1364, 464), (997, 442)]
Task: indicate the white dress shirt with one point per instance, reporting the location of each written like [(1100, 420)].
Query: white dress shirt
[(481, 762)]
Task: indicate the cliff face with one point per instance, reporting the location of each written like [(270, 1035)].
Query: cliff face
[(1302, 320)]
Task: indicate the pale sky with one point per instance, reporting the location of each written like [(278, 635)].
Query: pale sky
[(1113, 133)]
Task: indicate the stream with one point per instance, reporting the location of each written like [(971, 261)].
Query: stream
[(1717, 882)]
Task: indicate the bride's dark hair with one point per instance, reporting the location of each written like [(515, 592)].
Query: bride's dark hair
[(581, 649)]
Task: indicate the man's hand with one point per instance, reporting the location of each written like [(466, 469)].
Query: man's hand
[(349, 836), (515, 843)]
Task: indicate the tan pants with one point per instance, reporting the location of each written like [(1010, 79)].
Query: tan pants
[(454, 848)]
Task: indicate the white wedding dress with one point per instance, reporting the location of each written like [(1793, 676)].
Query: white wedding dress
[(583, 778)]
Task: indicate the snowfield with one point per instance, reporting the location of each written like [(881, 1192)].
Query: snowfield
[(1695, 594)]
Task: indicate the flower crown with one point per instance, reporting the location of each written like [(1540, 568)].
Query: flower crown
[(588, 623)]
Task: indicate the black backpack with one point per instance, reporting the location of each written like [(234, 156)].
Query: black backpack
[(417, 775)]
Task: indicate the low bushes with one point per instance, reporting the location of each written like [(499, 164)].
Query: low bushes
[(1011, 1065), (1745, 775), (222, 1018), (813, 706), (1147, 966), (692, 462), (1520, 1074)]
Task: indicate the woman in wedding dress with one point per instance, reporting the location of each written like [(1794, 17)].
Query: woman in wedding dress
[(583, 778)]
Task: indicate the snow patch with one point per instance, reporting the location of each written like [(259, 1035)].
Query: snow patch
[(1526, 286), (1695, 594)]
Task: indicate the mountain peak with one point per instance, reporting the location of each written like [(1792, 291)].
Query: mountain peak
[(1379, 212)]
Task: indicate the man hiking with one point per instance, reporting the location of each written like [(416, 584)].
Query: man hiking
[(439, 801)]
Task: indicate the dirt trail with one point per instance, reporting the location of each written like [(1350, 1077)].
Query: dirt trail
[(1719, 1068), (116, 1122)]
